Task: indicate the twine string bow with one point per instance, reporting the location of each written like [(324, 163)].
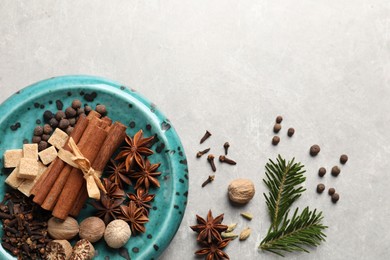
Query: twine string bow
[(75, 158)]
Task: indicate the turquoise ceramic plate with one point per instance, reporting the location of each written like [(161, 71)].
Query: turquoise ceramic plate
[(26, 107)]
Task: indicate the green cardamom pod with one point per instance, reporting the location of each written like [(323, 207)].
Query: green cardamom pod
[(231, 227), (245, 234), (247, 215), (230, 235)]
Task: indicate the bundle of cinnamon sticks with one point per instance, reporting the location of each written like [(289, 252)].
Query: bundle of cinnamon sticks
[(62, 188)]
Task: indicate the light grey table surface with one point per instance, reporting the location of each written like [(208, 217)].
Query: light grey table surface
[(231, 67)]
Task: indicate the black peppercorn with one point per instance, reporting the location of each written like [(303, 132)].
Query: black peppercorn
[(36, 139), (53, 122), (343, 158), (275, 140), (47, 129), (314, 150), (277, 128), (321, 172), (290, 131), (335, 197), (64, 123), (60, 115), (331, 191), (101, 109), (76, 104), (335, 171), (320, 188), (70, 112), (279, 119), (47, 115), (38, 131)]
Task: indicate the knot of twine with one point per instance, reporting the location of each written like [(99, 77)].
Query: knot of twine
[(76, 159)]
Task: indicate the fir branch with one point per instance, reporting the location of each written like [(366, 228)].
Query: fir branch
[(295, 234), (282, 180)]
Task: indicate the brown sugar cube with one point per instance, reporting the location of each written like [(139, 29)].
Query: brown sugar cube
[(12, 158), (13, 180), (30, 151), (28, 168), (58, 138), (48, 155), (27, 185)]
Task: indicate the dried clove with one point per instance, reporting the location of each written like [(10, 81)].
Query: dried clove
[(226, 147), (224, 159), (210, 159), (206, 135), (200, 153), (209, 179)]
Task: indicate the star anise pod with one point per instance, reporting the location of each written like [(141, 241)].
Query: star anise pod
[(135, 217), (142, 199), (107, 209), (136, 148), (118, 173), (146, 175), (214, 250), (210, 229), (113, 190)]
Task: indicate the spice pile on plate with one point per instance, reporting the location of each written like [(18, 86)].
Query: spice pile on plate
[(71, 159)]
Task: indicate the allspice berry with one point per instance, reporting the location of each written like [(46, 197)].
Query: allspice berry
[(343, 158), (42, 145), (36, 139), (92, 229), (321, 172), (275, 140), (331, 191), (70, 112), (60, 115), (335, 197), (53, 122), (38, 131), (335, 171), (279, 119), (64, 123), (76, 104), (241, 191), (101, 109), (47, 129), (290, 132), (320, 188), (277, 128), (314, 150)]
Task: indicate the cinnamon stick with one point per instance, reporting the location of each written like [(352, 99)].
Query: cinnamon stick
[(43, 185), (115, 137), (55, 191), (89, 147)]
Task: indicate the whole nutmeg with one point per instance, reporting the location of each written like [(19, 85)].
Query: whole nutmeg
[(241, 191), (66, 229), (117, 233), (92, 229)]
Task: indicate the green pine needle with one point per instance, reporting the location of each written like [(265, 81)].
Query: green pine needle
[(296, 234), (282, 180), (302, 230)]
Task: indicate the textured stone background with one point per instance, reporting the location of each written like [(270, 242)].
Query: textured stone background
[(231, 67)]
